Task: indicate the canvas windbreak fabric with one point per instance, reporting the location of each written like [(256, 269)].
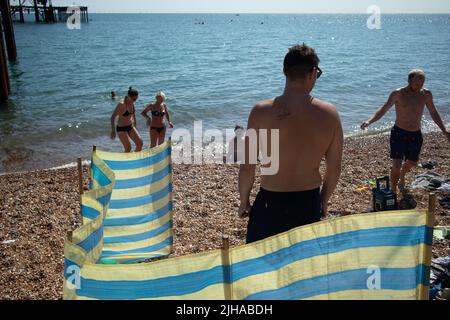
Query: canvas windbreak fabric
[(365, 256), (127, 214)]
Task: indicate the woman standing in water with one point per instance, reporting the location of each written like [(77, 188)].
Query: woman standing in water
[(157, 123), (126, 127)]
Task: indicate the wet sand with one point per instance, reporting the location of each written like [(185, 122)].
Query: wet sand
[(38, 208)]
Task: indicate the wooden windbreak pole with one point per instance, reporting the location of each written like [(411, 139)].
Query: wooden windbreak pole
[(171, 178), (226, 261), (80, 175), (94, 149), (80, 178), (427, 254)]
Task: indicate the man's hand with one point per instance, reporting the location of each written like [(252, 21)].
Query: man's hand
[(244, 210), (324, 210), (171, 124), (365, 125), (113, 135)]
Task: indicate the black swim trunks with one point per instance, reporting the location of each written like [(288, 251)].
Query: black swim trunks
[(276, 212), (124, 129), (406, 145)]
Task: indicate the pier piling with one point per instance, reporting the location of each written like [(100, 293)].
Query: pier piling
[(36, 11), (8, 30), (4, 77)]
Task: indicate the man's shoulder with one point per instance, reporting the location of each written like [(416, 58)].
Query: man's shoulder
[(264, 104), (262, 107), (325, 106), (398, 91), (427, 92)]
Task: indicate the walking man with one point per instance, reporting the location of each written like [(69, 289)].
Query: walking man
[(406, 136)]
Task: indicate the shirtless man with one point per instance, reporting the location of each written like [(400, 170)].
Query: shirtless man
[(406, 136), (309, 130)]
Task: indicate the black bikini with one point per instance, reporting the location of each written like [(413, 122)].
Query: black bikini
[(158, 113), (159, 130), (126, 128), (127, 113)]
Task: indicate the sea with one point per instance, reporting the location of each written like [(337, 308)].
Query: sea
[(212, 67)]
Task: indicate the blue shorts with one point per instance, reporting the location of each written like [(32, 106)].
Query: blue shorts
[(276, 212), (406, 145)]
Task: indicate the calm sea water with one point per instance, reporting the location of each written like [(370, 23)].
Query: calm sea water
[(215, 72)]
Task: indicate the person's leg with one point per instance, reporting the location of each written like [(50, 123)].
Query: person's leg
[(412, 154), (397, 144), (407, 166), (395, 173), (123, 137), (136, 137), (162, 136), (153, 137)]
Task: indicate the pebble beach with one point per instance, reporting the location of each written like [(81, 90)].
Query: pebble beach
[(38, 208)]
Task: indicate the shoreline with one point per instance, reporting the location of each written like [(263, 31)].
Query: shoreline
[(37, 208), (368, 134)]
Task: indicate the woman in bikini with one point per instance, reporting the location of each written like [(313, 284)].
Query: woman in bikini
[(157, 123), (126, 127)]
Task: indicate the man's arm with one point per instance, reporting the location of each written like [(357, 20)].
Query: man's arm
[(333, 161), (381, 111), (247, 169), (435, 115)]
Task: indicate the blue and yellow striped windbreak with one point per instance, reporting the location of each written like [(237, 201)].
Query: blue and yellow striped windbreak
[(138, 222), (367, 256), (85, 244)]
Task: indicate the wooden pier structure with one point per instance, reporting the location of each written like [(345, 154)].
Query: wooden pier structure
[(44, 11)]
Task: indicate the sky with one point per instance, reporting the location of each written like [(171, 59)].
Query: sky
[(259, 6)]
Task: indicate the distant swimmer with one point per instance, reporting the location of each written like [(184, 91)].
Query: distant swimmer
[(406, 136), (235, 151), (113, 95), (156, 122), (126, 127)]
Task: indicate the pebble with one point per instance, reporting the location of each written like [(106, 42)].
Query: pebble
[(37, 209)]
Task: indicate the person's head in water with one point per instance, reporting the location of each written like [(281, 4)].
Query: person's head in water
[(113, 94), (160, 97), (301, 65), (133, 94), (239, 131), (416, 79)]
